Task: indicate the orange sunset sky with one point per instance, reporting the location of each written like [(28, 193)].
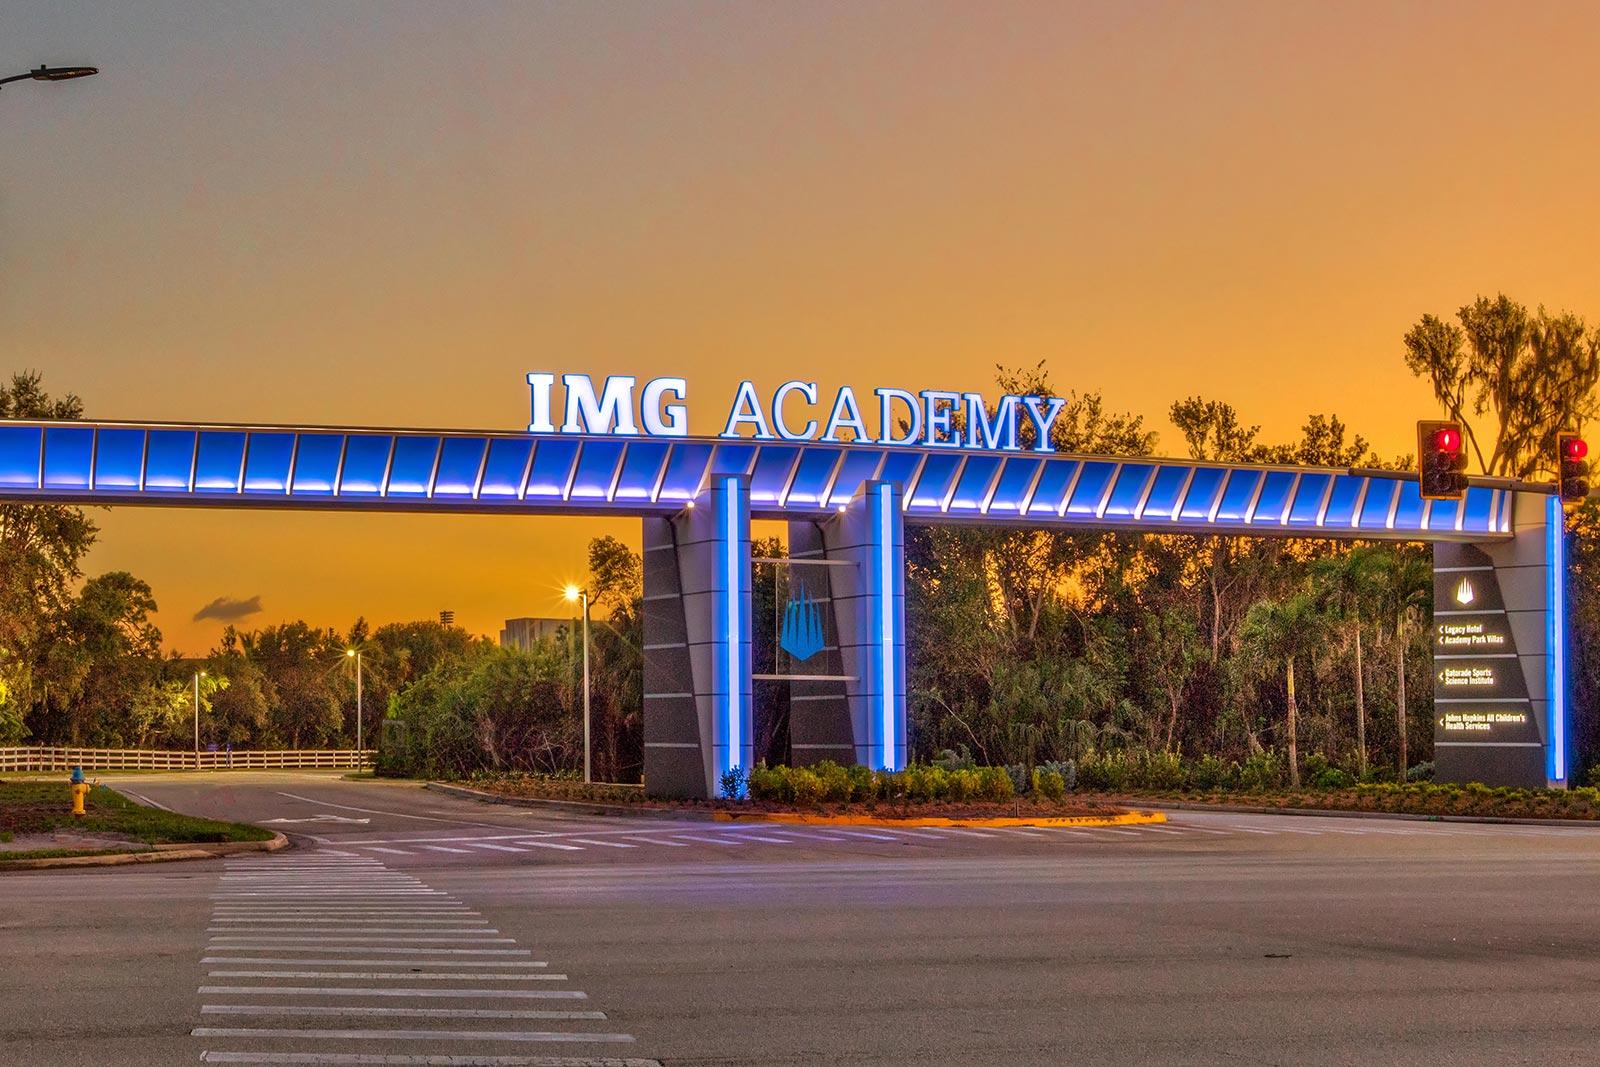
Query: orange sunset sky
[(387, 213)]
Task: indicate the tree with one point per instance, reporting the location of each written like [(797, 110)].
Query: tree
[(1345, 582), (1277, 633), (1406, 584), (1532, 375)]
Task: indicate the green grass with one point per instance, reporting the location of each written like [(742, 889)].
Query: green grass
[(35, 807), (64, 853)]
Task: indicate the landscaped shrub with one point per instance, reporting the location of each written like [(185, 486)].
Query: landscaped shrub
[(1049, 783), (1422, 772), (836, 786), (1157, 770), (994, 783), (1260, 772), (1209, 772), (862, 784), (1103, 771), (1067, 769), (1021, 778), (807, 786)]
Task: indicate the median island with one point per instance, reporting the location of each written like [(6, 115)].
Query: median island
[(37, 824), (827, 792)]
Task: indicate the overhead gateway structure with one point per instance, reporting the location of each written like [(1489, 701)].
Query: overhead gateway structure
[(1499, 625)]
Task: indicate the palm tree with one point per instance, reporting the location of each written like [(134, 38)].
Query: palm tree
[(1405, 577), (1345, 583), (1277, 633)]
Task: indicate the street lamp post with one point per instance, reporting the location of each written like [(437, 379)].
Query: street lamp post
[(356, 653), (574, 594), (197, 676), (51, 74)]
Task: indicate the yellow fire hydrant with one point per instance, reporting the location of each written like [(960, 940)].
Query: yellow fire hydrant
[(80, 790)]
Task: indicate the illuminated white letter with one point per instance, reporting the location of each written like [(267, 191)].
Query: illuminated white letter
[(997, 433), (939, 420), (747, 408), (540, 385), (805, 389), (886, 399), (612, 413), (1043, 420), (846, 414), (665, 420)]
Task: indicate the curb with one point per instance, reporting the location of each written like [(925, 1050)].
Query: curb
[(1128, 818), (693, 815), (155, 854), (1347, 813)]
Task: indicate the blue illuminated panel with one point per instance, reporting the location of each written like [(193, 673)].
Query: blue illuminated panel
[(811, 477), (1162, 503), (1133, 480), (460, 460), (1409, 511), (1556, 680), (1092, 481), (119, 459), (505, 468), (1051, 492), (1480, 505), (1012, 488), (366, 461), (316, 463), (640, 469), (266, 463), (597, 463), (1442, 515), (1375, 508), (686, 471), (219, 463), (1342, 501), (977, 475), (553, 459), (1202, 494), (411, 470), (20, 450), (1275, 490), (68, 457), (1238, 494), (1309, 494), (773, 467), (900, 467), (857, 467), (938, 472)]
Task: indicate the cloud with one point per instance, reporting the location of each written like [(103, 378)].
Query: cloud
[(226, 609)]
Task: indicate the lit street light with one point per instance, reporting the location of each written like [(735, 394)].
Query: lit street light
[(51, 74), (355, 653), (573, 595), (197, 676)]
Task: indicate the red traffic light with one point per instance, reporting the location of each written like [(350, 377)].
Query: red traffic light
[(1575, 448), (1447, 439)]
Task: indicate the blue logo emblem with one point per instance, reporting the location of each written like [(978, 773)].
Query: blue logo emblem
[(802, 627)]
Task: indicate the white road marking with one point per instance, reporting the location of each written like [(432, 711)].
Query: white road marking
[(376, 991), (499, 848), (386, 950), (274, 930), (324, 938), (345, 1059), (643, 840), (385, 976), (416, 1035), (392, 1013), (390, 851), (704, 840), (447, 848), (552, 844), (607, 844), (318, 960)]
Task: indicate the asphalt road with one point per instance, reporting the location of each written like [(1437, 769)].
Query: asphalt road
[(410, 927)]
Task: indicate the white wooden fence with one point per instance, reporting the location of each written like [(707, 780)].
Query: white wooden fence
[(40, 758)]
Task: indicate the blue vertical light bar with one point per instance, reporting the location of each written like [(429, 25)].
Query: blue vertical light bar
[(888, 674), (731, 658), (1556, 639)]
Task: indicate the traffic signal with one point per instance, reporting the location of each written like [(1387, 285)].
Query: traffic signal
[(1441, 460), (1572, 466)]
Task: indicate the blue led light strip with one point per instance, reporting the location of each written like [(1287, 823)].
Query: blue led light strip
[(594, 474), (886, 615), (1556, 637), (733, 605)]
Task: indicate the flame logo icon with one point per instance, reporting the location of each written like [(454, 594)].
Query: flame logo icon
[(1464, 593), (802, 627)]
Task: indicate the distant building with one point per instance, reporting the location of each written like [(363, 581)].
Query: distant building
[(523, 634), (447, 618)]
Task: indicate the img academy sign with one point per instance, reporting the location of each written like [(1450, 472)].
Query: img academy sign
[(796, 411)]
